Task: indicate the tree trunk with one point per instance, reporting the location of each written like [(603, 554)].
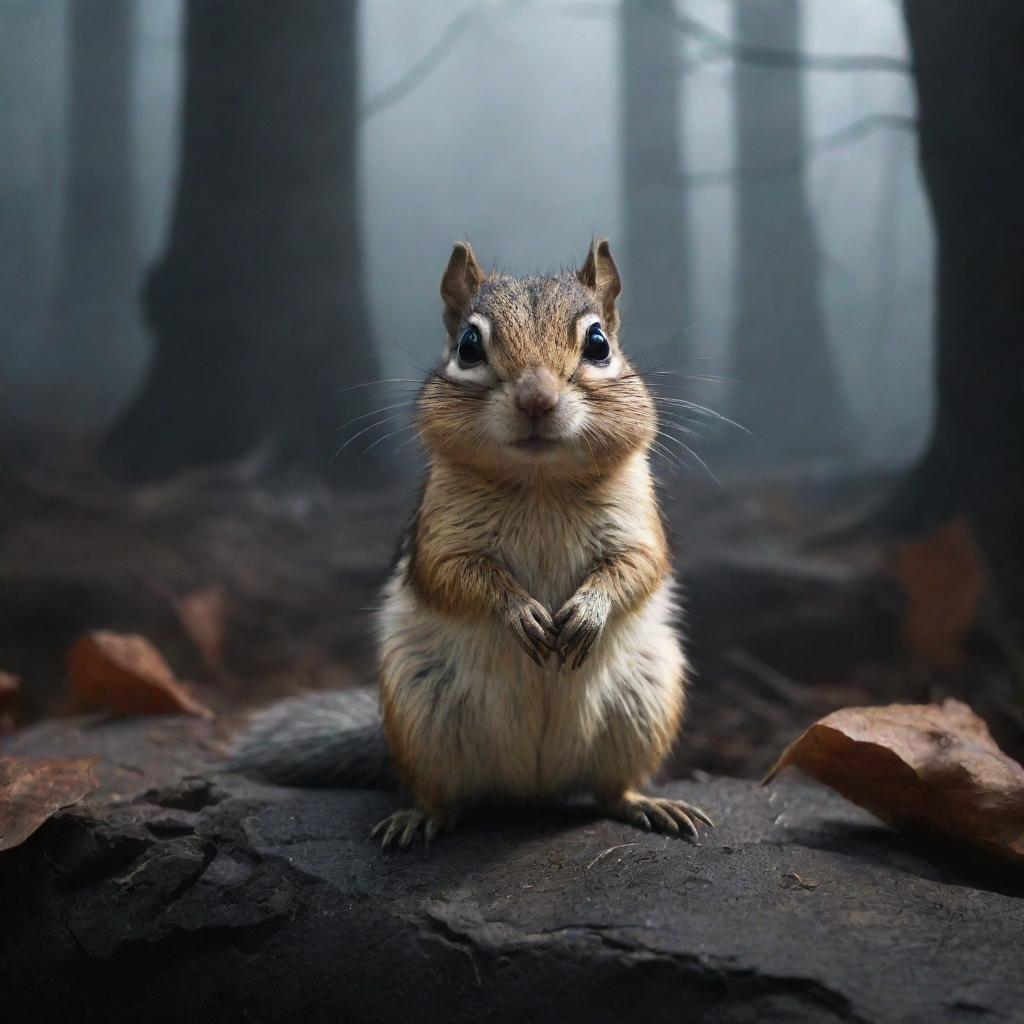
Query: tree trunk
[(969, 78), (656, 296), (257, 304), (789, 394), (93, 320)]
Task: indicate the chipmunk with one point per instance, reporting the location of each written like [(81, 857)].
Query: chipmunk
[(527, 640)]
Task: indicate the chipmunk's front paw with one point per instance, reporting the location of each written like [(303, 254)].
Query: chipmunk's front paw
[(531, 625), (579, 623), (402, 827), (657, 814)]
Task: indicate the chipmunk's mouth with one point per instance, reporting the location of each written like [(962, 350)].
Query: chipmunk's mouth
[(535, 443)]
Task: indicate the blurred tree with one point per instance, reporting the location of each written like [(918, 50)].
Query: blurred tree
[(657, 286), (257, 304), (969, 78), (30, 156), (93, 320), (789, 394)]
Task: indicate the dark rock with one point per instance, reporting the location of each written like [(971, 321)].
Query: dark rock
[(177, 893)]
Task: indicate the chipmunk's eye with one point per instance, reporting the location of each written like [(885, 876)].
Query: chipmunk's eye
[(596, 347), (471, 347)]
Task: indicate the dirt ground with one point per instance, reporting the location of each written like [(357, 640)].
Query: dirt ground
[(253, 590)]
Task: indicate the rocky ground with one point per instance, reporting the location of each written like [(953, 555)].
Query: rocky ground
[(177, 892)]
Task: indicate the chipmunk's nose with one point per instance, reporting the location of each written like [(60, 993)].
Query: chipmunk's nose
[(537, 392)]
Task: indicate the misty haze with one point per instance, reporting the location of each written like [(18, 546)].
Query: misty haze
[(513, 138)]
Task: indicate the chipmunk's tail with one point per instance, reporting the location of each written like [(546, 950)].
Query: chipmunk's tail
[(320, 739)]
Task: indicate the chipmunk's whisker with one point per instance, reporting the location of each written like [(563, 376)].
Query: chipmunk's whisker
[(588, 432), (407, 426), (704, 377), (386, 380), (403, 389), (465, 386), (665, 421), (376, 412), (394, 451), (359, 433), (413, 363), (687, 448), (670, 460), (671, 337), (683, 403)]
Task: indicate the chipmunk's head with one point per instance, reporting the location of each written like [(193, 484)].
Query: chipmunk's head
[(533, 377)]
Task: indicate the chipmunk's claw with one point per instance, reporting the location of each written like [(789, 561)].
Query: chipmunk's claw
[(658, 814), (531, 625), (579, 623), (402, 827)]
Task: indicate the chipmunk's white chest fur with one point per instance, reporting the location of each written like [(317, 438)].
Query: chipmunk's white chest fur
[(483, 720)]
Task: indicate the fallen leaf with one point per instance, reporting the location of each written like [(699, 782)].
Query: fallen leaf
[(203, 615), (32, 791), (945, 579), (934, 768), (800, 881), (127, 674), (10, 687)]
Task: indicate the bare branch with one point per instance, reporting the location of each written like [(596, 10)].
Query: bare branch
[(399, 89), (844, 136), (718, 44), (768, 56)]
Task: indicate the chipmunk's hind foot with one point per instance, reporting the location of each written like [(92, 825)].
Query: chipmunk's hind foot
[(657, 814), (402, 828)]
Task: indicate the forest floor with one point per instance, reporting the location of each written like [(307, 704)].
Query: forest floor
[(253, 590), (157, 885)]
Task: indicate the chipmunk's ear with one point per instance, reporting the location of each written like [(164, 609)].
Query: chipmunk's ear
[(461, 281), (600, 275)]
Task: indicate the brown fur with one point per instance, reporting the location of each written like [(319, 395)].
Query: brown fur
[(556, 538)]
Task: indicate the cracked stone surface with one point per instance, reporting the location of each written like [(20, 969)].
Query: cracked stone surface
[(180, 893)]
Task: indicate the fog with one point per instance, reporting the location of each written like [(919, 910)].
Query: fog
[(502, 123)]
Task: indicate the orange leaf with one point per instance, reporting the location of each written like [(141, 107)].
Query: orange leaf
[(10, 686), (945, 578), (32, 791), (127, 674), (202, 614), (931, 767)]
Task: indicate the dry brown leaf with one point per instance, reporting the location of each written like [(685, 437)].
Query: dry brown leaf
[(203, 615), (945, 579), (931, 767), (10, 687), (31, 791), (799, 880), (127, 674)]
